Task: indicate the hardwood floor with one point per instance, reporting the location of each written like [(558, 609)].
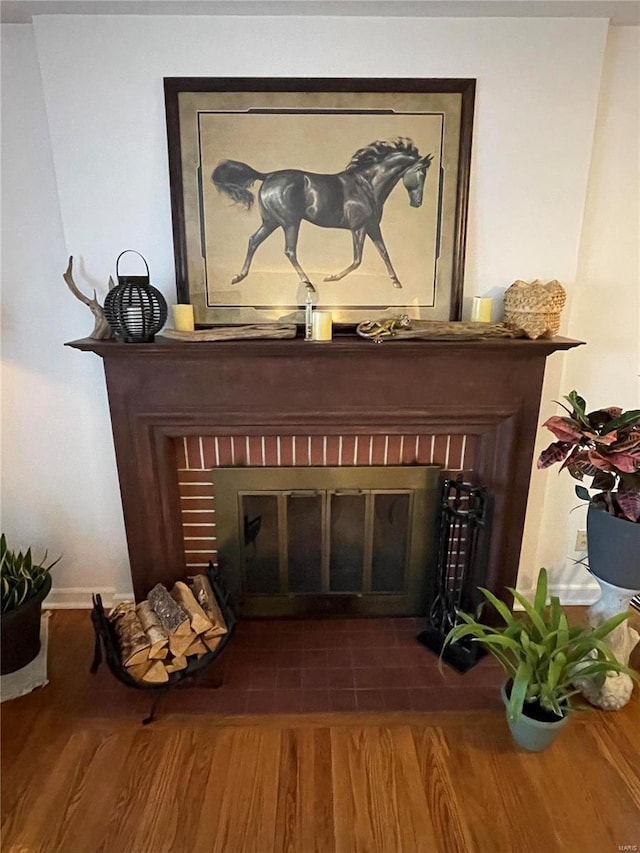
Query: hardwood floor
[(81, 774)]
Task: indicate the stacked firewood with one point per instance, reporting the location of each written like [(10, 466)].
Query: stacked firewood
[(159, 635)]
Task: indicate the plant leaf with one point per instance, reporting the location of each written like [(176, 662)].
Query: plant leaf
[(629, 501), (583, 493), (579, 408), (556, 452), (519, 691), (540, 599), (625, 419), (500, 606), (532, 613)]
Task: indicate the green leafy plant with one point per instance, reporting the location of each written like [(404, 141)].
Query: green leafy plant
[(540, 652), (604, 445), (20, 577)]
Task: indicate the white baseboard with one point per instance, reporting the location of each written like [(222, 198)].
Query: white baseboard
[(79, 598), (569, 594)]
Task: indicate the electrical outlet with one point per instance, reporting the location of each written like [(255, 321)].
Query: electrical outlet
[(581, 540)]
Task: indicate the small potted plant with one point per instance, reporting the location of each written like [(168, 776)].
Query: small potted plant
[(542, 657), (603, 445), (24, 586)]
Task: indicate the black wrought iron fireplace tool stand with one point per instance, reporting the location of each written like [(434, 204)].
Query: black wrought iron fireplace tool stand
[(464, 525)]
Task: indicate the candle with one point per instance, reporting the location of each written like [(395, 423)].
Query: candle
[(134, 319), (321, 326), (481, 309), (183, 318)]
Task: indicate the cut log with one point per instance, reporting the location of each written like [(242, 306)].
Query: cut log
[(158, 637), (159, 654), (205, 597), (197, 647), (156, 674), (134, 643), (178, 644), (139, 670), (176, 664), (185, 598), (172, 617), (211, 643)]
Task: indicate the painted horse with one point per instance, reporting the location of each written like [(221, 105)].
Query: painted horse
[(352, 199)]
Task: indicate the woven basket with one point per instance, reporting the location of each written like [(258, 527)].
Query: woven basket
[(534, 307)]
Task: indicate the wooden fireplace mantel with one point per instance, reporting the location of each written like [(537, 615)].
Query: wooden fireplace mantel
[(160, 391)]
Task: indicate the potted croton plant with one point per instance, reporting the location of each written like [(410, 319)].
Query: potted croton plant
[(602, 450)]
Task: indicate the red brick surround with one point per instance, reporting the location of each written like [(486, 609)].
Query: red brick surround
[(198, 455)]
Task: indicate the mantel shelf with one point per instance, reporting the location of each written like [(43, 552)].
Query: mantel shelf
[(343, 344)]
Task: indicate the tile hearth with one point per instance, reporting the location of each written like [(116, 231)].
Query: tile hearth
[(316, 665)]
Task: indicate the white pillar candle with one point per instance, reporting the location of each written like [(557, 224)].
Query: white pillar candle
[(183, 318), (481, 309), (321, 326)]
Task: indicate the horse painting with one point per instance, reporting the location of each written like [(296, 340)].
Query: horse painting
[(352, 199)]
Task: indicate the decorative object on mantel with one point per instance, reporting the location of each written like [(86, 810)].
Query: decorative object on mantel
[(401, 328), (308, 316), (135, 309), (183, 318), (321, 326), (235, 333), (605, 445), (481, 309), (534, 307), (343, 133), (101, 330), (168, 637), (540, 655)]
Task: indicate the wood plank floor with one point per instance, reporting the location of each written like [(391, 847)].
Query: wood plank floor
[(81, 774)]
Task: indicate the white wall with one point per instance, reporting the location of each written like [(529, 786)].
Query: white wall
[(107, 189), (59, 483), (605, 308)]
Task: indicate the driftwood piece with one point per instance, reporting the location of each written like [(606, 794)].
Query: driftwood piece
[(185, 598), (403, 328), (172, 617), (101, 329), (235, 333), (134, 643), (157, 635), (206, 598)]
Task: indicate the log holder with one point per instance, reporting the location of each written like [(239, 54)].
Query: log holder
[(106, 643)]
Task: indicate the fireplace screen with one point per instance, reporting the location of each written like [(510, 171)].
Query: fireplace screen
[(354, 540)]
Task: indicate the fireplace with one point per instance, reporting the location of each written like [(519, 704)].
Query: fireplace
[(476, 401)]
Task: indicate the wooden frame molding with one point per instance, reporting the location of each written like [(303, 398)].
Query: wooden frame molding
[(158, 392)]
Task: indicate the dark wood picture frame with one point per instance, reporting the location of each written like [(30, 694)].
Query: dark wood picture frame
[(200, 112)]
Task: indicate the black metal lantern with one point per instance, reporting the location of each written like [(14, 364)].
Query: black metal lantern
[(135, 309)]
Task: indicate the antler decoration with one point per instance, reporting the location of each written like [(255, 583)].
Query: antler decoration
[(101, 329)]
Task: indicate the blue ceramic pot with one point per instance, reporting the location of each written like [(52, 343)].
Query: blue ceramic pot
[(614, 548), (532, 735)]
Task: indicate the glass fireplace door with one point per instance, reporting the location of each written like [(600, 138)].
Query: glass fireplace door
[(344, 540)]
